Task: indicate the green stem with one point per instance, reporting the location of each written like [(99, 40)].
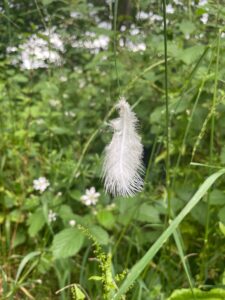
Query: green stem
[(212, 132), (167, 112), (115, 41)]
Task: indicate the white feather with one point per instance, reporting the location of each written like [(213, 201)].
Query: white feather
[(122, 167)]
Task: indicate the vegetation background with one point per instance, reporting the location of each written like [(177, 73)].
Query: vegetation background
[(64, 64)]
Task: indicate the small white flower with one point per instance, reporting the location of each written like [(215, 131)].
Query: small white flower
[(72, 223), (40, 121), (41, 184), (204, 18), (222, 35), (169, 9), (59, 194), (202, 2), (39, 281), (65, 96), (143, 15), (52, 216), (90, 197), (177, 2), (63, 78), (134, 31), (70, 114), (54, 103), (111, 206)]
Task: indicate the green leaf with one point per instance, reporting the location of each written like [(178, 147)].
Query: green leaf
[(217, 197), (36, 222), (147, 213), (187, 294), (19, 238), (222, 155), (24, 261), (189, 55), (67, 243), (78, 294), (99, 234), (47, 2), (20, 78), (221, 214), (187, 27), (106, 219), (222, 228)]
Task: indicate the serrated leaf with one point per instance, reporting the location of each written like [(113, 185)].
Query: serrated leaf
[(99, 234), (189, 55), (67, 243)]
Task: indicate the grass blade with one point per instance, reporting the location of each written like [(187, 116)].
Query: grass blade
[(24, 261), (144, 261)]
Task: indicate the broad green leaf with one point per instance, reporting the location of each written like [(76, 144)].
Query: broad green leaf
[(36, 222), (67, 243), (187, 294), (106, 219), (99, 234), (187, 27), (217, 197), (189, 55), (147, 213)]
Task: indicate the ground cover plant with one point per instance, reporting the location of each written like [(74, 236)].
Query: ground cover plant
[(64, 67)]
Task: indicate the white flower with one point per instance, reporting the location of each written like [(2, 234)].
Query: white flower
[(169, 9), (177, 2), (52, 216), (204, 18), (41, 184), (222, 35), (63, 78), (72, 223), (143, 15), (70, 114), (54, 103), (91, 197), (202, 2), (40, 121)]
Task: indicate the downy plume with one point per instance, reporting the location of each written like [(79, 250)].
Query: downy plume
[(122, 167)]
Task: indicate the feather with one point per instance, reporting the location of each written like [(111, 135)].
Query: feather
[(122, 166)]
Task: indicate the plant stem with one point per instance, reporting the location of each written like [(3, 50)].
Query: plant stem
[(167, 112), (212, 132)]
